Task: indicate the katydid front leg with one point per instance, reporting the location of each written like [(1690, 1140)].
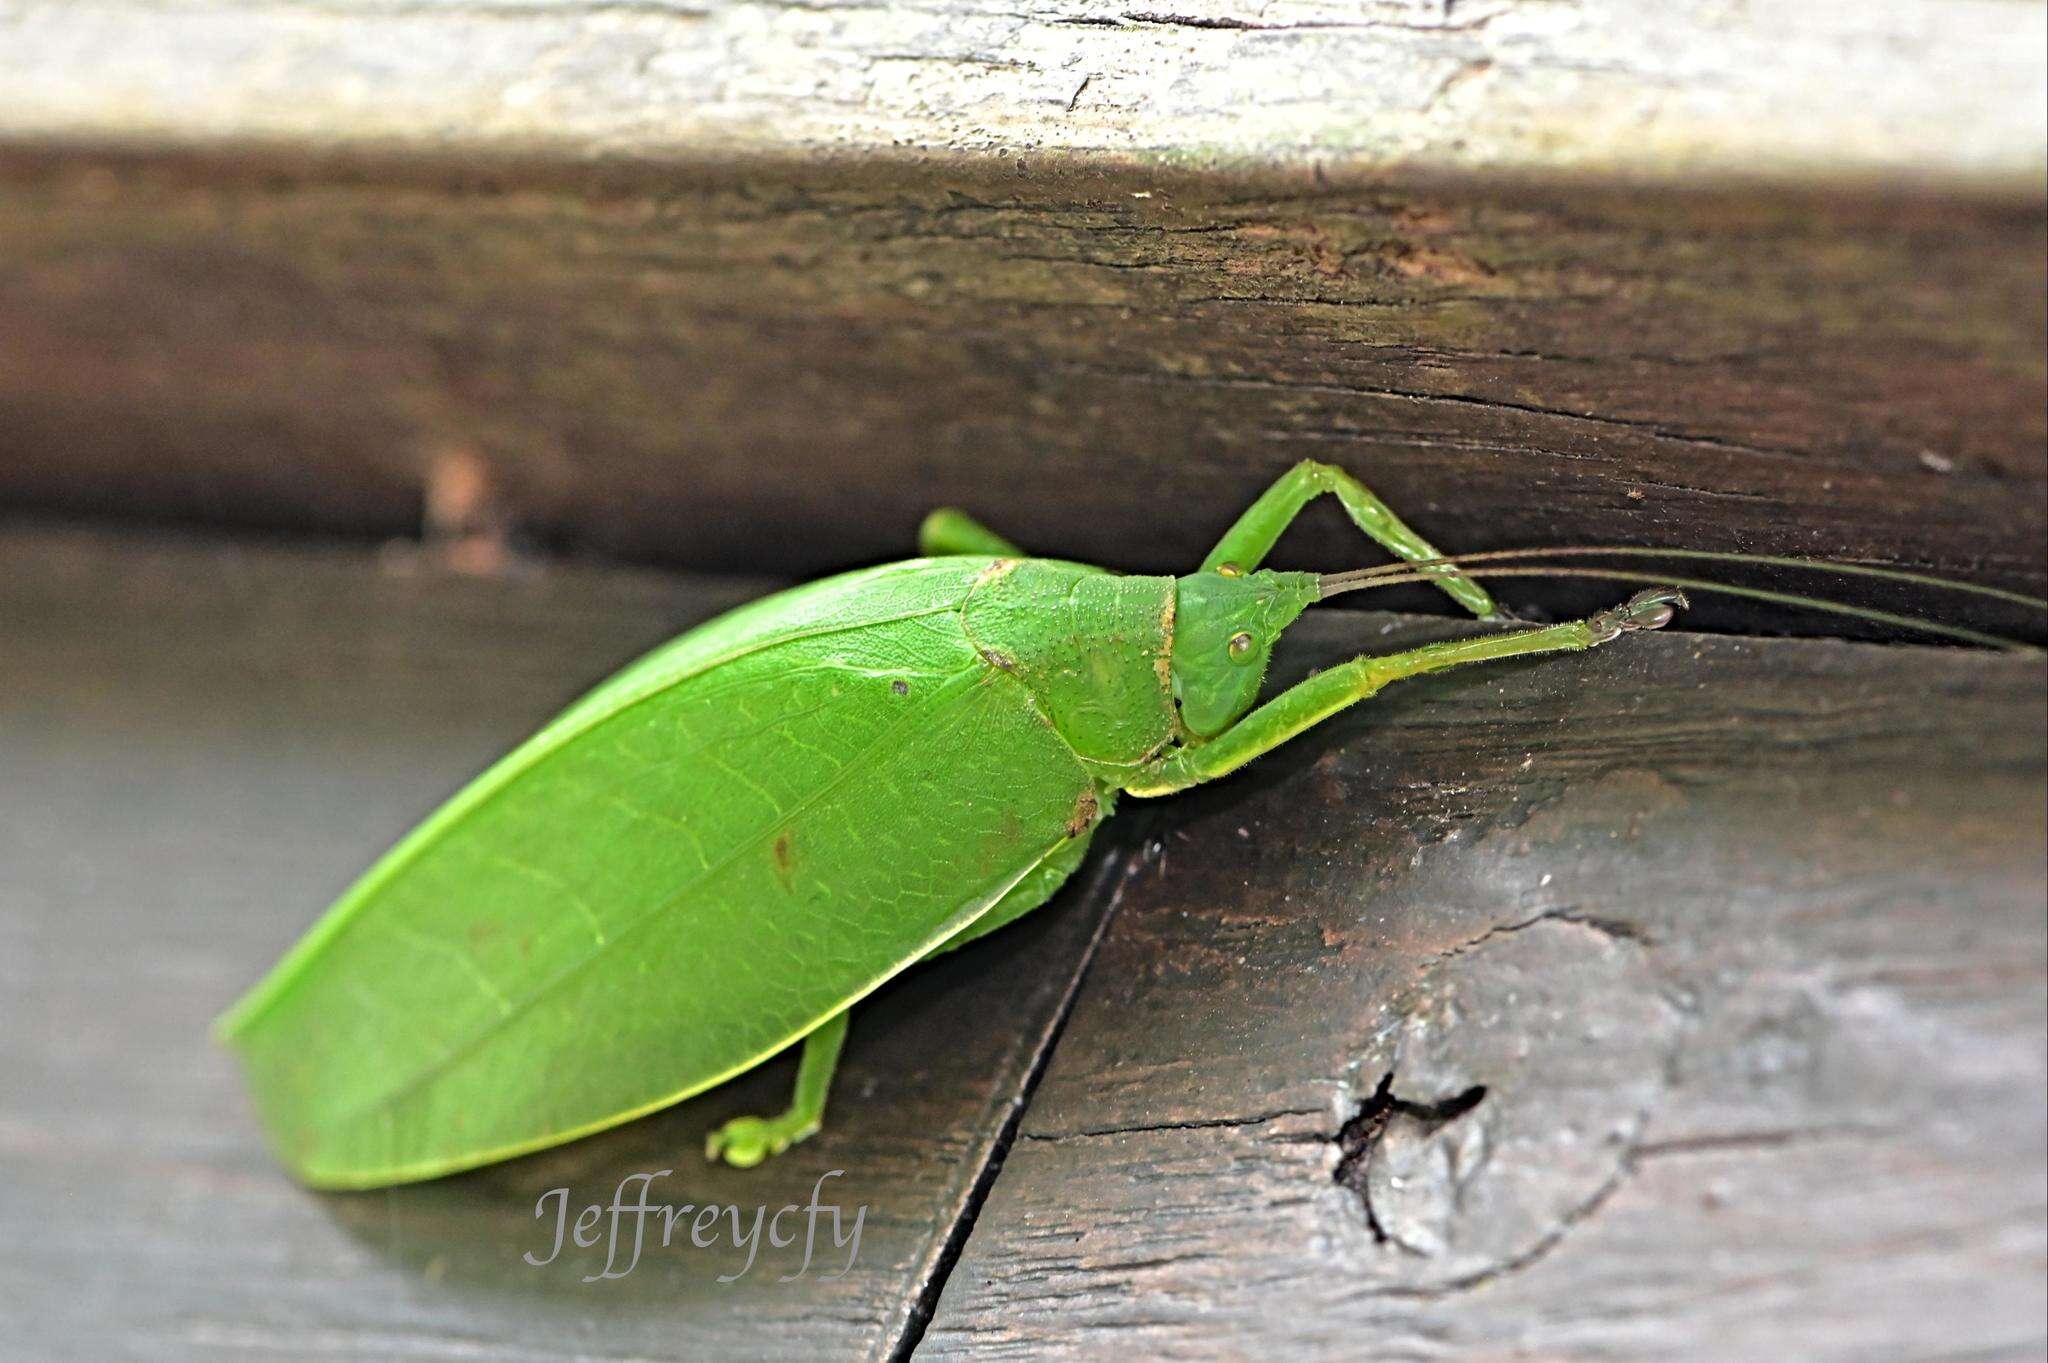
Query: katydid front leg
[(1245, 545), (744, 1142), (1311, 702)]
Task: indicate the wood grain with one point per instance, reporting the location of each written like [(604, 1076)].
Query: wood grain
[(782, 365), (199, 746), (1685, 1000)]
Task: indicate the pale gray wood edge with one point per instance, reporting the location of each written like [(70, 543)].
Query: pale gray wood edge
[(1919, 89)]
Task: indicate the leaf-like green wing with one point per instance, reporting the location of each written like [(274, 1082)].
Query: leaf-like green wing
[(694, 865)]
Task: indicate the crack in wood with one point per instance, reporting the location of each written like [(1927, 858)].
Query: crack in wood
[(1615, 928), (1360, 1137), (1654, 429), (1115, 872), (1193, 1124)]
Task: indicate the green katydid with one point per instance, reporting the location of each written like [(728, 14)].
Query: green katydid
[(721, 850)]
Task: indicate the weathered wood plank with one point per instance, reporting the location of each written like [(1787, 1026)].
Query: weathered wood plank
[(783, 364), (198, 747), (1917, 88), (1743, 941)]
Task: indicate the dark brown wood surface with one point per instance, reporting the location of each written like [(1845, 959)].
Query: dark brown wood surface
[(1683, 1000), (780, 364), (1743, 941)]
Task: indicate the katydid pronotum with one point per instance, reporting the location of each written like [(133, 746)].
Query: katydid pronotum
[(721, 850)]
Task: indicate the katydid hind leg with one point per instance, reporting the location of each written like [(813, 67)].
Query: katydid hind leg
[(1309, 703), (950, 530), (745, 1141), (1245, 545)]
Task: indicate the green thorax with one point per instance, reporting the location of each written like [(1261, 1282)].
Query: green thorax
[(1094, 648)]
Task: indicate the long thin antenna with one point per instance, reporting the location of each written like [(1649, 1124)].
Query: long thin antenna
[(1825, 565), (1336, 584)]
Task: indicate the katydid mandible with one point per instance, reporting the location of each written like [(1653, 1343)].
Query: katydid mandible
[(722, 849)]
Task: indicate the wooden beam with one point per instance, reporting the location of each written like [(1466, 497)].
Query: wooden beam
[(782, 365), (1927, 90), (750, 284)]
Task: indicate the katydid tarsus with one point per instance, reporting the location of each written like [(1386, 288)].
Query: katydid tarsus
[(720, 851)]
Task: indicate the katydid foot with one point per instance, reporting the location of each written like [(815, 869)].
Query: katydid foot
[(1653, 609), (744, 1142)]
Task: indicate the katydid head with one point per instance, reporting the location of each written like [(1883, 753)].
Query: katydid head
[(1224, 627)]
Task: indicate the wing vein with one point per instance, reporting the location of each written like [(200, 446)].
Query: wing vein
[(967, 681)]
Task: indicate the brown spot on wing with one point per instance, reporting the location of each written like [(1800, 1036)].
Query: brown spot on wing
[(785, 858), (1002, 567), (1085, 810)]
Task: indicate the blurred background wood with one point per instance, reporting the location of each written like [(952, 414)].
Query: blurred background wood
[(749, 286)]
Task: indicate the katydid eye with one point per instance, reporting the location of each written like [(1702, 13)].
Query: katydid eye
[(1240, 647)]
